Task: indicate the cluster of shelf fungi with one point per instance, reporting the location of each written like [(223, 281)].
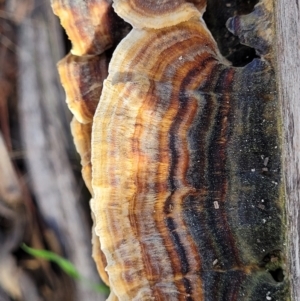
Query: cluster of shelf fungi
[(176, 121)]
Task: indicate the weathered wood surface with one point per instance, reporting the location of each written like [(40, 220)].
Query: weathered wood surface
[(288, 60), (12, 222), (18, 218), (44, 119)]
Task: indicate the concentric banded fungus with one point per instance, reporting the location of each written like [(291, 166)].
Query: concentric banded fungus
[(98, 255), (183, 204), (158, 14), (82, 79), (88, 24), (175, 138), (82, 140)]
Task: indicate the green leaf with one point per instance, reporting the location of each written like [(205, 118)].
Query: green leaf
[(66, 266)]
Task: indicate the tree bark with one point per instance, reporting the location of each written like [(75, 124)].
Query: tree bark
[(288, 67), (43, 130)]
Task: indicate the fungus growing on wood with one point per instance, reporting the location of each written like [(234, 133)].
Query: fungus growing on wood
[(88, 24), (82, 139), (158, 14), (176, 143), (82, 78), (92, 27)]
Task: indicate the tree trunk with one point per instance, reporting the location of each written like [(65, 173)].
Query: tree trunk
[(288, 68)]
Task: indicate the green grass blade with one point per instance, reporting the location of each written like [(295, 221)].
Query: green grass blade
[(66, 266)]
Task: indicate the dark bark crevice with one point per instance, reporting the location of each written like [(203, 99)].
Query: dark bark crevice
[(216, 15)]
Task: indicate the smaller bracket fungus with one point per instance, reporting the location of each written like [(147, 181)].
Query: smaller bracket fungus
[(97, 254), (255, 29), (82, 139), (93, 28), (89, 24), (82, 78), (157, 13)]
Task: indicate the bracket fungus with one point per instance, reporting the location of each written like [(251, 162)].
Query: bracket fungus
[(158, 14), (175, 148), (90, 25), (82, 78)]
